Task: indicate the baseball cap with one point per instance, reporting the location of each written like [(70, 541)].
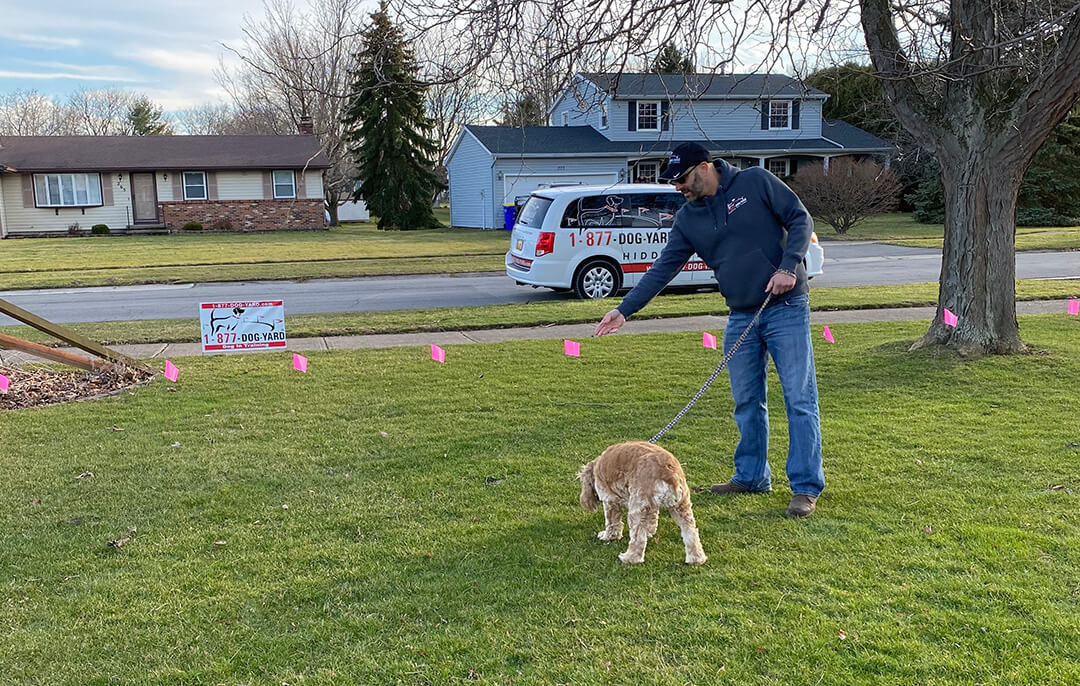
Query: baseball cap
[(683, 158)]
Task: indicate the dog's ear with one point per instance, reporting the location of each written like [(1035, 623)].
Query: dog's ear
[(589, 501)]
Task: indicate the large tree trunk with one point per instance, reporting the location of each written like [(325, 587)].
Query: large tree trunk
[(332, 208), (978, 264)]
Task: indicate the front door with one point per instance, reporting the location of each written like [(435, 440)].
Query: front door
[(144, 198)]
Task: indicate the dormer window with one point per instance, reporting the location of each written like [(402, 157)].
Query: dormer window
[(779, 114), (648, 115)]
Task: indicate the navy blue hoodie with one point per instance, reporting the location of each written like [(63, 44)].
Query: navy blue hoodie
[(751, 227)]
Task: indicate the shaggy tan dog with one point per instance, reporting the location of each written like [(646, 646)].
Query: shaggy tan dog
[(642, 477)]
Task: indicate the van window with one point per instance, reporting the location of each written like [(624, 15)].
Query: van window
[(652, 210), (597, 210), (534, 211)]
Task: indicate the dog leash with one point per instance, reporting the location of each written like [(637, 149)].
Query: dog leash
[(716, 372)]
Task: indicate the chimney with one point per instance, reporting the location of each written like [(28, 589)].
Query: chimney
[(306, 127)]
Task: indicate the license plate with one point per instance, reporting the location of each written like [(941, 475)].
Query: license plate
[(520, 244)]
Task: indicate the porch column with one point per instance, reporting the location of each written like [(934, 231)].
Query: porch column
[(826, 164), (761, 161)]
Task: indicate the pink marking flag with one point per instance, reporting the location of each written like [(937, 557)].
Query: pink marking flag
[(1074, 306), (950, 318), (299, 363), (708, 340), (571, 348), (829, 336), (438, 354), (5, 383), (171, 372)]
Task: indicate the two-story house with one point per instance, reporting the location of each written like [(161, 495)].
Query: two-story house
[(612, 128)]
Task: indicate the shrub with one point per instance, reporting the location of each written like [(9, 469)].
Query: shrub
[(1043, 216), (99, 229), (74, 229), (850, 192), (221, 224), (193, 226)]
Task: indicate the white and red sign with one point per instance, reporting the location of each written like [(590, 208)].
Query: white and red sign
[(242, 325)]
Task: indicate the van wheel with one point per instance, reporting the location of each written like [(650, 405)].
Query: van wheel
[(596, 279)]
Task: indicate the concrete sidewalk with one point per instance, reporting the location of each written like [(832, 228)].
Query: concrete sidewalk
[(574, 331)]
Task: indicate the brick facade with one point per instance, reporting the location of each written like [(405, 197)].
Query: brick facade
[(244, 215)]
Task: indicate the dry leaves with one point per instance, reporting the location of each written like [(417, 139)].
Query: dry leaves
[(35, 386), (85, 475)]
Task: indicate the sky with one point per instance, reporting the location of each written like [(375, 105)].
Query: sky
[(167, 49)]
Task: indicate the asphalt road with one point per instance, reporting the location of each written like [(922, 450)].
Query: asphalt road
[(846, 264)]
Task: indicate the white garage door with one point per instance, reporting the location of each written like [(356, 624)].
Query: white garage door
[(523, 184)]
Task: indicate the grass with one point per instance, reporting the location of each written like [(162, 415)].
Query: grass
[(452, 550), (532, 314), (901, 229), (349, 250)]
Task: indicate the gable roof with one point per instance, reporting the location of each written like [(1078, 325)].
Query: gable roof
[(585, 141), (702, 86), (149, 153)]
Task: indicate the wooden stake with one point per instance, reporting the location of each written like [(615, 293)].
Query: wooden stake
[(80, 361), (67, 335)]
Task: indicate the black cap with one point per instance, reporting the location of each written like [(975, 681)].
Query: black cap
[(684, 157)]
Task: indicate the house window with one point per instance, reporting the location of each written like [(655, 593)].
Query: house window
[(284, 184), (603, 116), (565, 118), (67, 190), (779, 167), (194, 185), (648, 116), (646, 172), (779, 114)]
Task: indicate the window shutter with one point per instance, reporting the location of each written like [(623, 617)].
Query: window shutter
[(27, 190), (665, 115), (793, 166), (301, 184), (211, 185), (764, 115), (106, 189), (177, 186), (795, 114), (632, 115)]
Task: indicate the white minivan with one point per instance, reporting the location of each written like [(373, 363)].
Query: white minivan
[(598, 240)]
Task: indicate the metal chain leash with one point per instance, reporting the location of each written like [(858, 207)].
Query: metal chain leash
[(716, 373)]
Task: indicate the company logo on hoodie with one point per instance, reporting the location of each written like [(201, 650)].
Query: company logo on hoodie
[(735, 203)]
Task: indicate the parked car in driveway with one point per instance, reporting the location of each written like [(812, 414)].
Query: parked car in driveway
[(598, 240)]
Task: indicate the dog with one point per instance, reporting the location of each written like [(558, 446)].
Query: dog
[(643, 478)]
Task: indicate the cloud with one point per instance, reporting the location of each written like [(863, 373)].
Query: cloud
[(44, 42), (186, 61), (72, 75)]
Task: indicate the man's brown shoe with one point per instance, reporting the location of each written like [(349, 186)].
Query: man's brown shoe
[(728, 488), (801, 506)]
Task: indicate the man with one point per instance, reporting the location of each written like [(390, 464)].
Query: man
[(753, 232)]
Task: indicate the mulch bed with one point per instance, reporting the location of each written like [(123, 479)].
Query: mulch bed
[(37, 386)]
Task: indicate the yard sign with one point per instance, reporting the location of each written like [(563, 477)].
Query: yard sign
[(253, 325)]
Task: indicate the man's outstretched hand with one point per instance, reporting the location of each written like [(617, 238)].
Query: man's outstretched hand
[(611, 323)]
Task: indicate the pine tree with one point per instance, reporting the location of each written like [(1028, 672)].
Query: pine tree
[(671, 60), (388, 131), (144, 119)]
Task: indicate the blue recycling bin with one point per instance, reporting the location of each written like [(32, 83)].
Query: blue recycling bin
[(509, 213)]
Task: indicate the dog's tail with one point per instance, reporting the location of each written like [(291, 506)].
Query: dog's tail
[(589, 500)]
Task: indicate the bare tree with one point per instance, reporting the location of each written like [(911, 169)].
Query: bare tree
[(978, 83), (29, 113), (849, 192), (227, 120), (295, 64), (101, 112)]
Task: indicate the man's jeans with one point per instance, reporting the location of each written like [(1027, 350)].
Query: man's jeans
[(784, 333)]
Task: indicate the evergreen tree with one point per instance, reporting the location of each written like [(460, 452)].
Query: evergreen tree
[(145, 119), (388, 131), (526, 110), (671, 60)]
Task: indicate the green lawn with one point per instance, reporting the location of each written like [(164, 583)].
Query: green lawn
[(432, 533), (568, 311), (901, 229)]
